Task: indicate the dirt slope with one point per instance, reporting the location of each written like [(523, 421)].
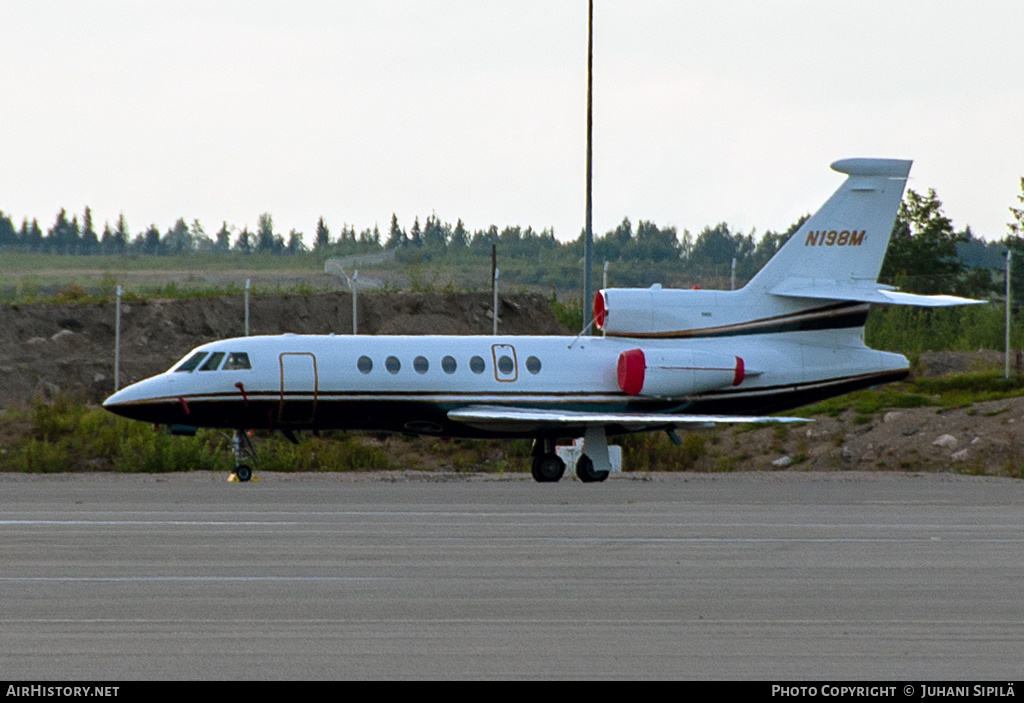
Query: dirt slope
[(46, 348)]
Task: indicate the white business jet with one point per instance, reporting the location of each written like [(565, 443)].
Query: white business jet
[(669, 359)]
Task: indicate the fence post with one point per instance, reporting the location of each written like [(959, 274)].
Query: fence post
[(1009, 256), (495, 308), (352, 285), (117, 343), (247, 282)]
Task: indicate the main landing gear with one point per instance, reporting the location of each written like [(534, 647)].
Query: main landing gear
[(586, 472), (244, 452), (547, 467), (592, 466)]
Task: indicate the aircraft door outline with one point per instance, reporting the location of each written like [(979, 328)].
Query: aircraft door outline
[(506, 365), (298, 375)]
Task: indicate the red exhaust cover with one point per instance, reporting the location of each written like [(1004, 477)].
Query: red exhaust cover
[(631, 371)]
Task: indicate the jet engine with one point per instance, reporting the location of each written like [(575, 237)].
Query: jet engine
[(670, 373), (656, 312)]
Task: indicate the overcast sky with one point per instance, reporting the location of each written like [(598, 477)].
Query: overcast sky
[(475, 109)]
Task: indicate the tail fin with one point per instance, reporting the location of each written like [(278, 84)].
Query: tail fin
[(834, 257), (845, 241), (837, 254)]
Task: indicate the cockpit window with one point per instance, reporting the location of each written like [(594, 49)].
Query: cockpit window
[(237, 360), (192, 362), (213, 362)]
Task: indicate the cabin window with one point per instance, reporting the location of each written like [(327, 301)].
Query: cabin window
[(365, 364), (192, 362), (392, 364), (533, 364), (421, 364), (236, 361), (213, 362), (476, 364), (449, 364)]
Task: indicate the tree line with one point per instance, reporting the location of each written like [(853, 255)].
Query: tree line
[(927, 254), (68, 237)]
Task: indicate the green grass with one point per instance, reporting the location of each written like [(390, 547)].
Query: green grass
[(34, 278), (69, 436), (911, 330), (953, 391), (26, 263)]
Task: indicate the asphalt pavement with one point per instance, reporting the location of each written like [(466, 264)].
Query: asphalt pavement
[(780, 576)]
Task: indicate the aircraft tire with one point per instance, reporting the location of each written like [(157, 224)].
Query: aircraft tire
[(243, 472), (547, 468), (585, 470)]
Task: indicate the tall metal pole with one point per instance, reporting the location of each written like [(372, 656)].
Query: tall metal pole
[(588, 242)]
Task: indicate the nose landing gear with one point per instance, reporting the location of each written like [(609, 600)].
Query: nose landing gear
[(244, 452)]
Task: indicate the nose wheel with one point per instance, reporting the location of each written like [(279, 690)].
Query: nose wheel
[(244, 452)]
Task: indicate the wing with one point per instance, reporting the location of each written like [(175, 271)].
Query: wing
[(493, 417)]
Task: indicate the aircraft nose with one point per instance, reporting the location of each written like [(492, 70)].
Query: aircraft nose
[(136, 401), (120, 403), (113, 401)]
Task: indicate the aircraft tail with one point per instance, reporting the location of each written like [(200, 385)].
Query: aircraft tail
[(837, 254), (823, 278)]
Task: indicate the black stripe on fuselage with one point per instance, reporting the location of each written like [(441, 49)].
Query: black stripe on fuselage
[(426, 414)]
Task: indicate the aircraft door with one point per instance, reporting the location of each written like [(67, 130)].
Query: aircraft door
[(506, 367), (299, 388)]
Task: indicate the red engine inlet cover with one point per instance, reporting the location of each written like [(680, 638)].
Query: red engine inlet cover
[(741, 372), (631, 371), (600, 310)]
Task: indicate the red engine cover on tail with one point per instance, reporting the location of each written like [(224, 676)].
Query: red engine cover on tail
[(600, 310)]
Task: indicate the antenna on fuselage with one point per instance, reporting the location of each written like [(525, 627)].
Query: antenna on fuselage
[(582, 332)]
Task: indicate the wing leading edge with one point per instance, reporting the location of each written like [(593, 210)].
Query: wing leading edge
[(492, 416)]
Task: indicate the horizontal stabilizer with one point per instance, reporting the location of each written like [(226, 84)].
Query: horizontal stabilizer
[(878, 294), (492, 416)]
